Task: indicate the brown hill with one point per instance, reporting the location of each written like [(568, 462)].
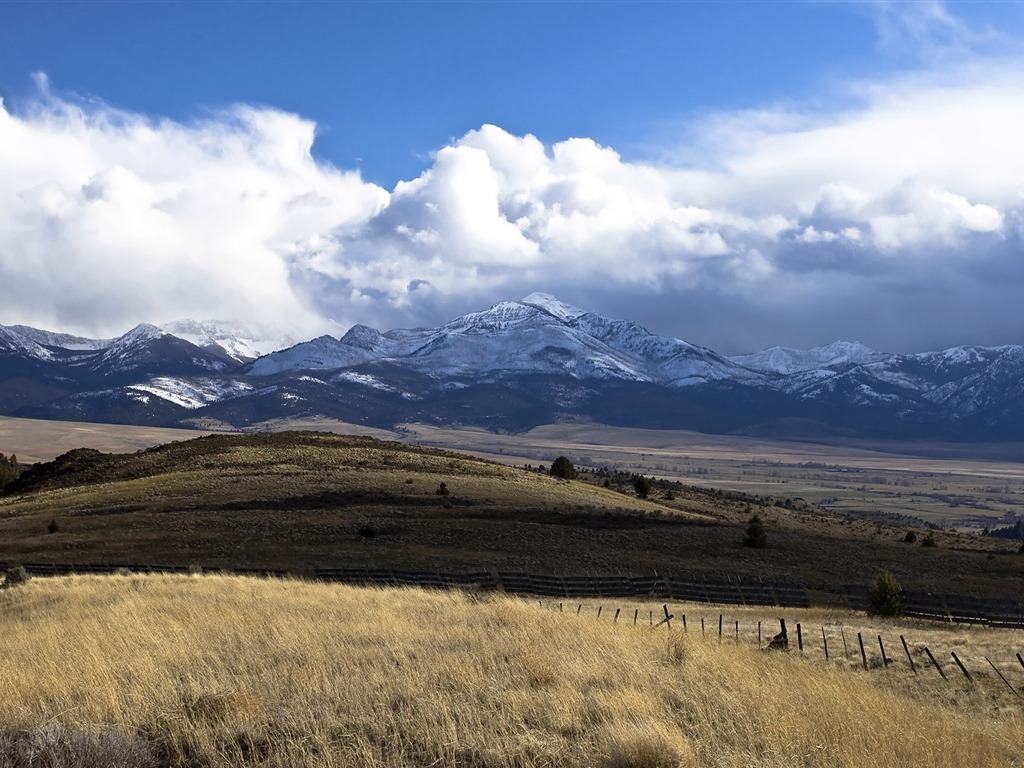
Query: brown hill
[(300, 500)]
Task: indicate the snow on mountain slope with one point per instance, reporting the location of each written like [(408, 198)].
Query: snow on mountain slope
[(319, 354), (62, 340), (233, 339), (558, 309), (194, 393), (667, 360), (786, 361), (537, 335), (12, 340)]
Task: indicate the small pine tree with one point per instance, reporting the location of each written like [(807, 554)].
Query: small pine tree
[(563, 468), (642, 485), (885, 596), (755, 535)]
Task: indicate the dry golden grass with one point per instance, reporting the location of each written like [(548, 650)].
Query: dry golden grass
[(225, 671)]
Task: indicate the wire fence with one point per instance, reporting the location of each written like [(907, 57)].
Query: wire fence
[(838, 644)]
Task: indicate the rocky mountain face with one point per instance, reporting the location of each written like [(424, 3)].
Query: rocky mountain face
[(513, 366)]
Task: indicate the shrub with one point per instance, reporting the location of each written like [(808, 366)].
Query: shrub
[(53, 527), (885, 596), (563, 468), (15, 576), (929, 540), (755, 536), (642, 485), (442, 490), (910, 538)]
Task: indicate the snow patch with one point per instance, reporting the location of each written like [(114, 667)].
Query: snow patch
[(192, 394)]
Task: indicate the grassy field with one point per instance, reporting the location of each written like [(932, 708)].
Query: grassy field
[(217, 671), (962, 486), (968, 487), (304, 500)]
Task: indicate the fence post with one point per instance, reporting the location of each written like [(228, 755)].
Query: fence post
[(702, 633), (799, 637), (909, 657), (635, 614), (885, 659), (719, 628), (935, 663), (1001, 677), (961, 665), (846, 648), (759, 634), (668, 618), (737, 630), (579, 608), (863, 656), (824, 641), (616, 616), (1020, 660), (684, 623)]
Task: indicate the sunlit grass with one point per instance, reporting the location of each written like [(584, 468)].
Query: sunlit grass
[(229, 671)]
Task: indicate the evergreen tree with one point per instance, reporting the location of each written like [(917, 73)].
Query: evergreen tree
[(562, 467), (642, 485), (755, 536), (885, 596)]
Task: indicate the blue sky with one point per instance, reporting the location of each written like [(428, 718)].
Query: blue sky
[(736, 174)]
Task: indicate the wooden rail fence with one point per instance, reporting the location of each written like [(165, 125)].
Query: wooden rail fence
[(695, 588)]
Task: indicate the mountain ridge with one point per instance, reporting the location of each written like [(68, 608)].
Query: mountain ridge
[(511, 366)]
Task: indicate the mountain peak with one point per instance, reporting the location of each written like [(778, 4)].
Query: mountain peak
[(545, 302), (141, 332), (232, 338)]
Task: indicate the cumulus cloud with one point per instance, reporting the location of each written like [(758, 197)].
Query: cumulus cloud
[(109, 218), (896, 220)]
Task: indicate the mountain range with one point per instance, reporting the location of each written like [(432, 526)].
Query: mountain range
[(511, 367)]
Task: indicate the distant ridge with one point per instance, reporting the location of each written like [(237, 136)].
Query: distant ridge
[(511, 366)]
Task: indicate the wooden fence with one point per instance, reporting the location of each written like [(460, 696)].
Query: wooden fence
[(693, 588), (836, 644)]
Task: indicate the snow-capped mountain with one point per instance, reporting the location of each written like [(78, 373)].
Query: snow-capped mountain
[(786, 361), (232, 339), (538, 335), (513, 365)]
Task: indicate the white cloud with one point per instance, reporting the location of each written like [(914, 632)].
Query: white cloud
[(109, 218)]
